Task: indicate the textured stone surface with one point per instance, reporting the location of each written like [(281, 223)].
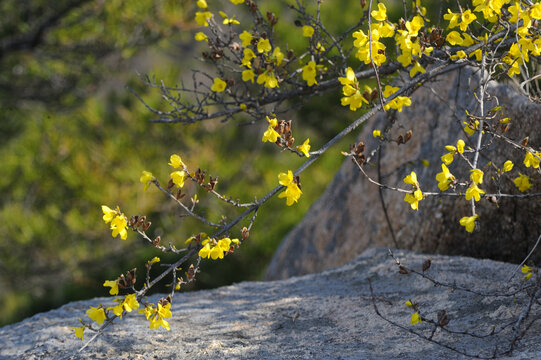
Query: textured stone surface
[(348, 218), (322, 316)]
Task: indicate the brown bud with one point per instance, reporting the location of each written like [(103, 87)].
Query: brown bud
[(141, 220), (156, 241), (407, 137), (400, 139), (170, 184), (130, 277), (443, 319), (290, 54), (504, 128), (363, 3), (191, 272), (235, 46), (122, 283), (245, 233), (133, 221), (524, 141), (180, 195), (426, 264), (402, 270), (146, 226)]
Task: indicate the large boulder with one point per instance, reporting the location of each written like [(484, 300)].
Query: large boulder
[(349, 218), (329, 315)]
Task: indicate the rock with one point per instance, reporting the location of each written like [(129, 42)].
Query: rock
[(329, 315), (349, 218)]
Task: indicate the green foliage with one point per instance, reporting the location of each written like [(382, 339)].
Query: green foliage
[(66, 152)]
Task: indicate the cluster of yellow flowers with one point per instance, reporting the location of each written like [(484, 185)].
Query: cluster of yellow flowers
[(213, 249), (416, 195), (156, 315), (351, 91), (118, 220)]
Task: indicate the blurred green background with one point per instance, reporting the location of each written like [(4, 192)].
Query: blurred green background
[(73, 138)]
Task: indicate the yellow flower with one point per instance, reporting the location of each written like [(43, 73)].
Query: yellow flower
[(97, 314), (409, 304), (525, 269), (531, 160), (200, 36), (146, 178), (309, 73), (154, 260), (270, 134), (292, 194), (228, 20), (118, 225), (445, 178), (108, 213), (454, 38), (305, 148), (78, 331), (380, 14), (460, 146), (237, 2), (285, 179), (412, 179), (263, 45), (467, 18), (205, 251), (469, 222), (452, 18), (478, 54), (415, 318), (178, 178), (460, 54), (202, 4), (470, 129), (201, 18), (113, 284), (474, 192), (507, 166), (376, 133), (130, 303), (246, 38), (247, 59), (416, 68), (219, 85), (522, 182), (476, 176), (278, 56), (307, 31), (175, 161), (413, 199), (248, 75)]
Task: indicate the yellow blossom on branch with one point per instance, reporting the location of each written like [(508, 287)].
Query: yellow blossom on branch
[(380, 14), (201, 36), (202, 17), (263, 46), (108, 213), (444, 178), (305, 148), (146, 178), (307, 31), (507, 166), (525, 269), (522, 182), (113, 284), (175, 161), (469, 222), (309, 73), (178, 178), (78, 331), (246, 38), (271, 134), (219, 85), (474, 192), (292, 192), (476, 176), (415, 318), (532, 160), (97, 314)]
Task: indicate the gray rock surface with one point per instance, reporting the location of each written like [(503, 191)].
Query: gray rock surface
[(348, 218), (329, 315)]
